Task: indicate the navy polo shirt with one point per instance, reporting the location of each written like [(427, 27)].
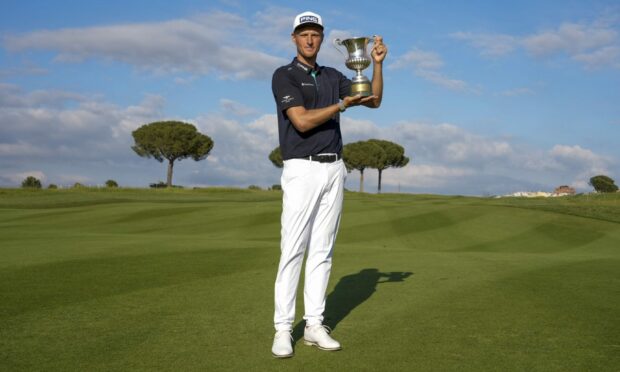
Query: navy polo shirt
[(298, 84)]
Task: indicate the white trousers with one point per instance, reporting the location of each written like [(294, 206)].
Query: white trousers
[(311, 208)]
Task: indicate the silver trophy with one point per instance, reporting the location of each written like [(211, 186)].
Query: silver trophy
[(357, 60)]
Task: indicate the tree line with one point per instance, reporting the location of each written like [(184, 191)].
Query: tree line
[(175, 140), (373, 153)]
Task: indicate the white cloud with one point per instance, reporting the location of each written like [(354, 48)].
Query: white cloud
[(427, 175), (571, 38), (593, 45), (606, 56), (471, 147), (218, 43), (490, 44), (89, 142), (576, 156), (428, 65), (523, 91), (13, 96), (358, 130), (277, 23), (240, 154), (584, 163), (442, 80), (447, 158), (28, 69), (181, 80), (419, 59), (71, 179), (452, 145), (41, 124), (207, 44), (20, 149), (267, 125), (17, 178), (236, 108)]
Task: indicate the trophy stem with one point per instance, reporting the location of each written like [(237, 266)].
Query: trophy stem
[(360, 85)]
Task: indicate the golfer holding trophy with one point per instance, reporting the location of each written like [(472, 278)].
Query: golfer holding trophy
[(309, 99)]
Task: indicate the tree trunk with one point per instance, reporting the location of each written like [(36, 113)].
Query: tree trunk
[(169, 179), (379, 188), (361, 180)]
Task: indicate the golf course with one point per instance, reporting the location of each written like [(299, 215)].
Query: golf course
[(97, 279)]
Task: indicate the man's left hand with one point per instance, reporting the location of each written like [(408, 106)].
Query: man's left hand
[(379, 50)]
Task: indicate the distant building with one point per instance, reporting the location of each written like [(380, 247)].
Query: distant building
[(559, 191), (564, 190), (531, 194)]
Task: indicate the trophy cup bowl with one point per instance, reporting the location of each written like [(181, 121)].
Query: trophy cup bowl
[(357, 60)]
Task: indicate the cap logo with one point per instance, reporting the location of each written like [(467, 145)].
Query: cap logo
[(306, 19)]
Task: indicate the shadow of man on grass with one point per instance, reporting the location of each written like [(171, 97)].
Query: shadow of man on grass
[(350, 292)]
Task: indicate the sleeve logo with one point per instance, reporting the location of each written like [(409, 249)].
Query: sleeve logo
[(287, 99)]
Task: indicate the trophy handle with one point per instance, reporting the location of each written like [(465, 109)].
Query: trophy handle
[(336, 43)]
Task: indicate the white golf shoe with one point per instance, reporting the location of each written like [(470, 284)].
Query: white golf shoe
[(318, 336), (282, 346)]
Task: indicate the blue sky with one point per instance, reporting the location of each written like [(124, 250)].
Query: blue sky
[(486, 97)]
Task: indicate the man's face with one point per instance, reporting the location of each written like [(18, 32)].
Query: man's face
[(308, 40)]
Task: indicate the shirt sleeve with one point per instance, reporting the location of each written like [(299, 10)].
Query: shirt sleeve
[(286, 90)]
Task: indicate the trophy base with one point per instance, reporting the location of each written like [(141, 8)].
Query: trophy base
[(363, 89)]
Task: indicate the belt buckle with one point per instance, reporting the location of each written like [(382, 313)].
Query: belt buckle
[(328, 158), (323, 158)]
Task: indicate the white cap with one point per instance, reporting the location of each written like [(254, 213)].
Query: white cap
[(307, 18)]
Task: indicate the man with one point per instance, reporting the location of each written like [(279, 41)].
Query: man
[(309, 100)]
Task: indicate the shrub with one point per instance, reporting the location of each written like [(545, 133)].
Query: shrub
[(31, 183), (603, 183), (158, 185), (78, 185), (52, 186), (163, 185), (111, 183), (254, 187), (276, 187)]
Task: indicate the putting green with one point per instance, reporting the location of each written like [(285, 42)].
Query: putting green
[(133, 279)]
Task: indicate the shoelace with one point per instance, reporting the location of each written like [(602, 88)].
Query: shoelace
[(326, 328), (281, 333)]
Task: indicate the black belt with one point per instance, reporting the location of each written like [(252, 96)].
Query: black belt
[(323, 158)]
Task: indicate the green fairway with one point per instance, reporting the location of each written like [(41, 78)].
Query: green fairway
[(182, 280)]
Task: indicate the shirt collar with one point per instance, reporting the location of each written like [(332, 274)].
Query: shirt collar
[(307, 69)]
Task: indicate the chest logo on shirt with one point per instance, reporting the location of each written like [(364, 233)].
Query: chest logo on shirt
[(307, 84), (287, 99)]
